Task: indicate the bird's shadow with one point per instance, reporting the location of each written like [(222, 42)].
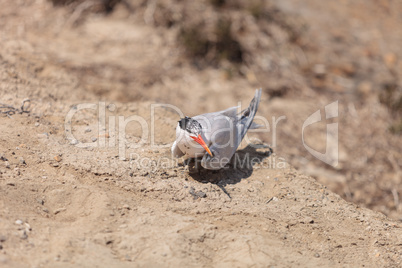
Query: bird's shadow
[(240, 167)]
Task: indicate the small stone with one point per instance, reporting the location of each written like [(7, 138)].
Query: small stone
[(201, 194), (57, 158), (319, 69), (28, 227), (2, 157), (7, 164), (43, 135), (94, 139), (57, 211), (74, 142), (19, 222), (88, 130), (55, 164), (37, 124), (22, 161), (171, 174), (3, 238), (126, 206), (317, 255), (307, 220)]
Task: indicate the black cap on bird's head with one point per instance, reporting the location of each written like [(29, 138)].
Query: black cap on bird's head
[(193, 127), (190, 125)]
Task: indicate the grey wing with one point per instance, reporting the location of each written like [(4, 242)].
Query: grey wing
[(224, 142), (176, 152), (227, 134)]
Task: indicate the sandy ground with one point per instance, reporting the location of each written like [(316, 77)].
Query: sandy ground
[(79, 191)]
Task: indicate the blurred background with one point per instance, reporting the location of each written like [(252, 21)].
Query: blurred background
[(207, 55)]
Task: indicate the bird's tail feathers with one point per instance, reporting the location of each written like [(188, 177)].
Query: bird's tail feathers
[(247, 115)]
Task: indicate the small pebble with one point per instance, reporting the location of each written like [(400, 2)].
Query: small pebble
[(43, 135), (37, 124), (73, 142), (201, 194), (94, 139), (19, 222), (88, 130), (57, 211), (57, 158), (3, 238), (28, 227), (319, 69), (22, 161)]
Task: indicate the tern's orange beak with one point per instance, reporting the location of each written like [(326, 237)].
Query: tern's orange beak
[(202, 143)]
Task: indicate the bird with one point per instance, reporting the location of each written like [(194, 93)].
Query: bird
[(214, 136)]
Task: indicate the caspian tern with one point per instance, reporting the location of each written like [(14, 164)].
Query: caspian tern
[(214, 136)]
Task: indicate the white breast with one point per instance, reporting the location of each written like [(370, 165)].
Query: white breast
[(187, 145)]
